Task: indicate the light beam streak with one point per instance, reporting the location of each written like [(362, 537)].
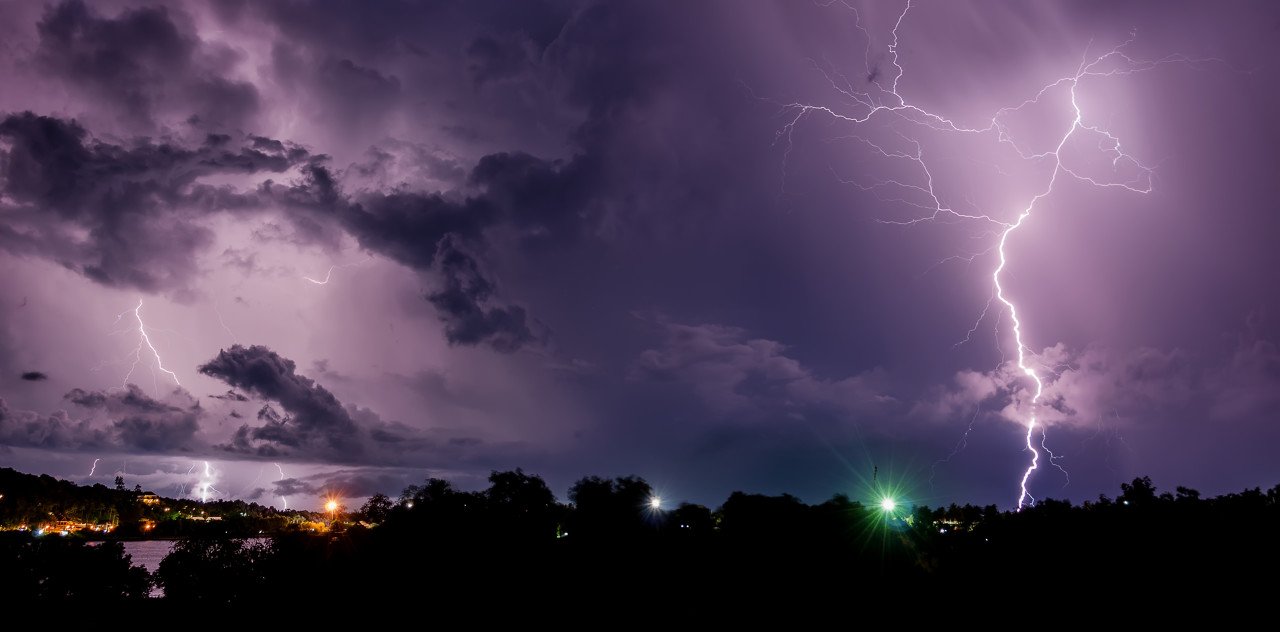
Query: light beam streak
[(859, 107)]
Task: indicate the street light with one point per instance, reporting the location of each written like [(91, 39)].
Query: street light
[(331, 506), (655, 502)]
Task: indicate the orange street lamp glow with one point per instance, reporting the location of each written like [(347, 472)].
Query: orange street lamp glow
[(331, 506)]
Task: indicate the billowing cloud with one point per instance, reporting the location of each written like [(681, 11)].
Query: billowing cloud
[(1087, 385), (740, 376), (462, 304), (316, 419), (144, 424), (135, 422), (141, 63), (315, 425), (517, 181), (56, 431), (122, 215)]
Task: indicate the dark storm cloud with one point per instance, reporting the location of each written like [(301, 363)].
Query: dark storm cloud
[(143, 424), (143, 62), (360, 91), (316, 420), (493, 59), (34, 376), (135, 423), (139, 204), (145, 239), (429, 231), (743, 377), (315, 425), (55, 432), (462, 301), (292, 486), (231, 396), (346, 484)]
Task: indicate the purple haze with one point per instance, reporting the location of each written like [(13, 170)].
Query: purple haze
[(445, 238)]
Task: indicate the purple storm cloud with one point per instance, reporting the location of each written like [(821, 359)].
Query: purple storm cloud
[(679, 241)]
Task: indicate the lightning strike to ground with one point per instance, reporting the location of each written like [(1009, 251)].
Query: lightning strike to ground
[(283, 499), (206, 483), (860, 107)]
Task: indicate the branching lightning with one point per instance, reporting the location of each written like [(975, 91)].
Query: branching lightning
[(144, 340), (858, 107), (206, 483), (329, 274), (326, 277)]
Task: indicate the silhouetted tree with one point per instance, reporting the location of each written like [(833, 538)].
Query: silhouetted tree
[(1140, 492), (376, 509), (62, 569), (693, 520), (213, 571), (604, 507), (522, 505), (1187, 494)]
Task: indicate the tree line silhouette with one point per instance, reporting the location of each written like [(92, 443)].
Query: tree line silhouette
[(514, 543)]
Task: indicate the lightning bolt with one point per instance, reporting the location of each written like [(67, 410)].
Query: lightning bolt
[(859, 107), (329, 273), (326, 277), (144, 340), (960, 445), (222, 322), (94, 467), (283, 499), (206, 483)]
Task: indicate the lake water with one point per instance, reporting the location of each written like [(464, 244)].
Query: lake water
[(148, 553)]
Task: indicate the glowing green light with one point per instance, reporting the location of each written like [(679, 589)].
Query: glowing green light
[(888, 504)]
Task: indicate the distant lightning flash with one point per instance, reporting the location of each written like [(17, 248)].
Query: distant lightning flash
[(859, 107), (326, 277), (94, 467), (283, 499), (329, 274), (206, 483)]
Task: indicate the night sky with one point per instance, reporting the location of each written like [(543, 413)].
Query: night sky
[(376, 243)]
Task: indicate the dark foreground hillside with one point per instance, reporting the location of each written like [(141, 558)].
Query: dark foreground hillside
[(439, 547)]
